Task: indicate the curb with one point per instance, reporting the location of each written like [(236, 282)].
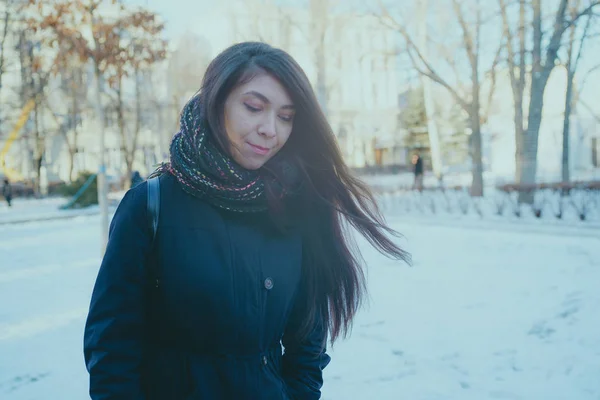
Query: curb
[(48, 218), (499, 226)]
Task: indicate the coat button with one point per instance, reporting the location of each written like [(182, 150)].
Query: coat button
[(264, 361), (269, 283)]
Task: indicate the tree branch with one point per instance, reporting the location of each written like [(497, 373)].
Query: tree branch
[(591, 110), (490, 99), (478, 26), (586, 76), (466, 33), (59, 124), (587, 11), (554, 45), (3, 42), (448, 54), (582, 42), (522, 47), (436, 78), (430, 72), (537, 36), (509, 45)]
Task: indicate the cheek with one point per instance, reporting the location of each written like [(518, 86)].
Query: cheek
[(238, 125), (284, 136)]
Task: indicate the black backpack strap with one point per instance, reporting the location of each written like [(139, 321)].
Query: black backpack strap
[(153, 205)]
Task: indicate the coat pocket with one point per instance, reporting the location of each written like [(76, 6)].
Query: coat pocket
[(274, 367), (167, 375), (285, 392)]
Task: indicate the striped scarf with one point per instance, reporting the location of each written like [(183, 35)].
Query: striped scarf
[(205, 172)]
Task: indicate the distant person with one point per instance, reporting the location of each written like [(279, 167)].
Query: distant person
[(7, 192), (136, 179), (250, 251), (418, 172)]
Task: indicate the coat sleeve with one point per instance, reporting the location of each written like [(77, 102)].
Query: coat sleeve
[(304, 360), (113, 338)]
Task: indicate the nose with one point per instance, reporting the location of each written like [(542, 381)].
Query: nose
[(267, 127)]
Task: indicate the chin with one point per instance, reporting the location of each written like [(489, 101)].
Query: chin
[(252, 165)]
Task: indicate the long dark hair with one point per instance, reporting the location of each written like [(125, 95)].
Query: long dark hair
[(333, 279)]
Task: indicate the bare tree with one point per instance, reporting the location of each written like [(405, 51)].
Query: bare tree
[(10, 15), (36, 82), (517, 69), (47, 49), (71, 21), (186, 67), (74, 89), (10, 27), (6, 20), (144, 48), (573, 58), (315, 32), (319, 12), (470, 99), (37, 67), (67, 114), (544, 55)]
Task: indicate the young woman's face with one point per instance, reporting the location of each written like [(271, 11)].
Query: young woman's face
[(259, 116)]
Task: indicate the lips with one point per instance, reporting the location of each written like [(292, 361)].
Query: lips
[(259, 149)]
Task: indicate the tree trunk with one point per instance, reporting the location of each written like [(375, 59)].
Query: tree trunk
[(530, 136), (475, 114), (539, 78), (71, 165), (75, 87), (516, 71), (572, 64), (476, 155), (127, 177), (519, 137), (519, 89), (131, 152), (25, 85), (122, 131), (138, 117), (176, 111), (428, 97), (3, 44), (566, 128), (38, 153), (164, 147), (37, 164), (528, 171)]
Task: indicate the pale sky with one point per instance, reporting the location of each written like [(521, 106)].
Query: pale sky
[(181, 15)]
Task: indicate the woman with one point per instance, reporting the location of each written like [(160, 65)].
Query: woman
[(251, 248)]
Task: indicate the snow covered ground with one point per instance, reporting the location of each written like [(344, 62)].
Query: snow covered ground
[(38, 209), (486, 312), (47, 209)]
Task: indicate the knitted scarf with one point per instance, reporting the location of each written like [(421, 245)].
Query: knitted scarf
[(205, 172)]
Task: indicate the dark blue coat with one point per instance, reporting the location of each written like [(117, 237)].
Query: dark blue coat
[(214, 327)]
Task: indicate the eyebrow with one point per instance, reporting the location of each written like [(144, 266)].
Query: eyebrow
[(266, 100)]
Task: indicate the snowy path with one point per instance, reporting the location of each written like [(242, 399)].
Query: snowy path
[(483, 314), (46, 276)]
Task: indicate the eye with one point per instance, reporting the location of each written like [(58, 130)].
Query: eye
[(287, 118), (251, 109)]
